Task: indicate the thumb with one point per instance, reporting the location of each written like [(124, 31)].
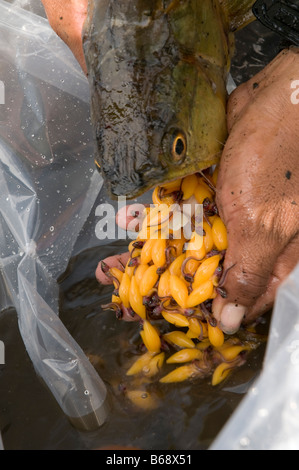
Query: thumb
[(250, 260), (246, 275), (285, 264)]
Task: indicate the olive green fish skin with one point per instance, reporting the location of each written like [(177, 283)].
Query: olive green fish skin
[(157, 72)]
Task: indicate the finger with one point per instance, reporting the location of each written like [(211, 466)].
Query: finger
[(117, 261), (130, 217), (230, 314), (67, 21), (248, 266), (285, 264), (248, 276), (264, 303)]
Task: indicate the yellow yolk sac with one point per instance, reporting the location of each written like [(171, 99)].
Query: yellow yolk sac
[(169, 283)]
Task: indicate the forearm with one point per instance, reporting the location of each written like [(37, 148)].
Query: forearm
[(67, 17)]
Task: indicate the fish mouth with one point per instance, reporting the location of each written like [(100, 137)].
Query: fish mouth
[(133, 185), (121, 181), (132, 165)]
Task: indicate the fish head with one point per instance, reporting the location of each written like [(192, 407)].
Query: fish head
[(158, 106), (170, 128)]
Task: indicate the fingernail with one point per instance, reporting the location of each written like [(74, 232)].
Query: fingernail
[(231, 317)]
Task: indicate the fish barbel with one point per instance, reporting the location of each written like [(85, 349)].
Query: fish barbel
[(157, 72)]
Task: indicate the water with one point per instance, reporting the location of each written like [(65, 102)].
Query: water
[(185, 416)]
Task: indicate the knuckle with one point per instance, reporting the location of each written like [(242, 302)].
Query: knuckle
[(247, 289)]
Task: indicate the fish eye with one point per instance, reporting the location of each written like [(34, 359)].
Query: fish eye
[(174, 147), (179, 147)]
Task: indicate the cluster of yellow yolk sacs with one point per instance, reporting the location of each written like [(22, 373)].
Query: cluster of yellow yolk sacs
[(170, 281)]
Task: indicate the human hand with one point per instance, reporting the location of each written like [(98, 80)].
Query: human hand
[(257, 194), (258, 191), (66, 18)]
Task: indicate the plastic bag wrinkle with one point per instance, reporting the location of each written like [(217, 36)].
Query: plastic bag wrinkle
[(47, 193), (268, 417), (49, 60)]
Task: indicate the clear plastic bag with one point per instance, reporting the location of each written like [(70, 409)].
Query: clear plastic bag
[(268, 417), (48, 187)]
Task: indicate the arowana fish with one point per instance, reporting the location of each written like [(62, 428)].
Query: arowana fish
[(157, 72)]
